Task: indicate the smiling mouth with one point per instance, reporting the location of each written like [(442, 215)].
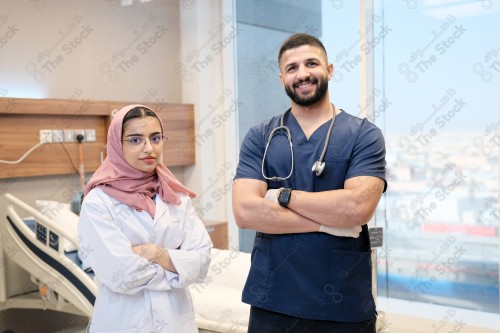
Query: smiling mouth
[(305, 84)]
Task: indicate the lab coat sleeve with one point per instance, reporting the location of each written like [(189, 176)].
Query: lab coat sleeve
[(109, 252), (192, 259)]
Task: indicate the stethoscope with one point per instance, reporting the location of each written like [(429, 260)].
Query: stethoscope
[(317, 167)]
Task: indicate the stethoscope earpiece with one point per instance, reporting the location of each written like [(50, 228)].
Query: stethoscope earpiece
[(318, 167)]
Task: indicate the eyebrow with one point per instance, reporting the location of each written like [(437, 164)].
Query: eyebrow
[(138, 134), (306, 60)]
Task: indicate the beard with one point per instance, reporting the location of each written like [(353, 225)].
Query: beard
[(322, 88)]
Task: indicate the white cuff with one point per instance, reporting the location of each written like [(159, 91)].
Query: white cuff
[(341, 231)]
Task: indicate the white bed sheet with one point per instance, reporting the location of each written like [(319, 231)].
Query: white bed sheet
[(217, 301)]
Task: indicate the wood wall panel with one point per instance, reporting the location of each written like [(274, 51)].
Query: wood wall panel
[(22, 119)]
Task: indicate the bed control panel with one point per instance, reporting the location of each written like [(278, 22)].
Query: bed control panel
[(42, 234)]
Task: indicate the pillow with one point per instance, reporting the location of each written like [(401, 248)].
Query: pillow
[(61, 214)]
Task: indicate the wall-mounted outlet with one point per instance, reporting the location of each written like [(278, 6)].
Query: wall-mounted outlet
[(45, 135), (69, 135), (79, 132), (57, 135), (90, 135)]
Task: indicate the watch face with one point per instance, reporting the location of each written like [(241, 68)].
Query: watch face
[(284, 197)]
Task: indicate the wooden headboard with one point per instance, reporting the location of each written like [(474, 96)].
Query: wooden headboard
[(22, 119)]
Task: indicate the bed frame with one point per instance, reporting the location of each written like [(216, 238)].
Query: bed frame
[(62, 284)]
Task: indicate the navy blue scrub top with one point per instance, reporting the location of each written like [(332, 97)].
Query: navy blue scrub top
[(313, 275), (356, 148)]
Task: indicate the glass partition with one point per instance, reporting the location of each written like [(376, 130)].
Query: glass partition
[(437, 77)]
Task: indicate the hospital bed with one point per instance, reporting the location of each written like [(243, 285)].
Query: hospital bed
[(34, 242)]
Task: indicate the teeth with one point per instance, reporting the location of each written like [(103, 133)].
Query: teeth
[(303, 84)]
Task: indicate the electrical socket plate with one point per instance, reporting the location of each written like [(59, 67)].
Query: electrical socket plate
[(78, 132), (90, 135), (45, 136), (69, 135), (57, 135)]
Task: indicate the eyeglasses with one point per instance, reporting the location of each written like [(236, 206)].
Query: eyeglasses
[(138, 141)]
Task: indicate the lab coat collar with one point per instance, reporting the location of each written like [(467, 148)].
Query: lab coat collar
[(161, 208)]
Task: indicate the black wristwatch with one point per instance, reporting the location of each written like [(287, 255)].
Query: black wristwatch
[(284, 196)]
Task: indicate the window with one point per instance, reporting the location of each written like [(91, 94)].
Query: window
[(436, 72)]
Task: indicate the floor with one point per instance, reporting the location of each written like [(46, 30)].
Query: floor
[(47, 321)]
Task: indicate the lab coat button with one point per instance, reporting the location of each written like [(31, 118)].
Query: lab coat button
[(139, 210)]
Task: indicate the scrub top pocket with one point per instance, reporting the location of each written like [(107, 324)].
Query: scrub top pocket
[(334, 172)]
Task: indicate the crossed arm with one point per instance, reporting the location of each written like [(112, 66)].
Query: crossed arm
[(156, 254), (352, 206)]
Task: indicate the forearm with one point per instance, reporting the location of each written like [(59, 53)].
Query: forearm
[(155, 254), (265, 216), (163, 259), (330, 208), (348, 207)]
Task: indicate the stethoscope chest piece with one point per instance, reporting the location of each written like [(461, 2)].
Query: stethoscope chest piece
[(318, 168)]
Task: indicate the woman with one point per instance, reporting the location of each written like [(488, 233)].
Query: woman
[(140, 233)]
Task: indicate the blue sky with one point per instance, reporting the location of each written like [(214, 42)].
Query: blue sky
[(455, 38)]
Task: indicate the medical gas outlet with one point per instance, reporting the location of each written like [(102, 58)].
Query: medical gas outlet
[(66, 135)]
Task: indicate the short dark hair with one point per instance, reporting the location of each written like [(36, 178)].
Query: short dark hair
[(297, 40), (138, 112)]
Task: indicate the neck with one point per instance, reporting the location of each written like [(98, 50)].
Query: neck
[(313, 116), (318, 112)]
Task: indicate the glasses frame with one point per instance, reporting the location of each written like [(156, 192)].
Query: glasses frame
[(144, 139)]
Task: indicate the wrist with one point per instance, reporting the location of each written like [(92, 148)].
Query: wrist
[(284, 196), (158, 254)]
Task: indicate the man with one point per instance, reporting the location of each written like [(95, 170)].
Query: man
[(311, 261)]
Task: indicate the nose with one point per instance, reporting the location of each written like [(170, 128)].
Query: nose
[(302, 72), (148, 147)]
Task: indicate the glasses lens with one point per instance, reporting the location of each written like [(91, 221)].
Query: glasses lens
[(156, 139), (135, 140), (139, 140)]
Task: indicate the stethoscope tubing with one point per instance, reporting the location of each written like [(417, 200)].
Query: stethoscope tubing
[(289, 136)]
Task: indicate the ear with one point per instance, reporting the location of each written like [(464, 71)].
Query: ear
[(281, 79), (329, 70)]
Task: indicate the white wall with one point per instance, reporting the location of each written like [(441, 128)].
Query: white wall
[(96, 50), (208, 37)]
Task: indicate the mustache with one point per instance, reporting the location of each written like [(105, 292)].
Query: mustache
[(311, 80)]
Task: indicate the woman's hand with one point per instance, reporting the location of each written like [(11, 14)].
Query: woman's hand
[(155, 254), (147, 251)]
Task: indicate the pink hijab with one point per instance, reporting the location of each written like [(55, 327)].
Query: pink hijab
[(128, 185)]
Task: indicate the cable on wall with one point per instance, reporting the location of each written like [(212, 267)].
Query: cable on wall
[(24, 156)]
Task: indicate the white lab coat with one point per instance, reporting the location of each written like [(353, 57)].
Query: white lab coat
[(136, 295)]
